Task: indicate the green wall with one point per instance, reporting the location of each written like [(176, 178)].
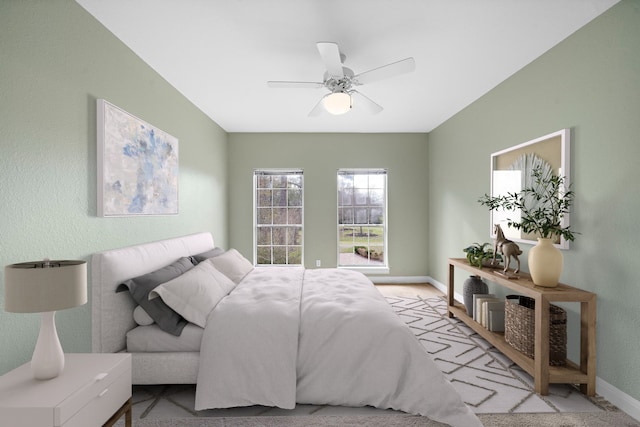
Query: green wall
[(590, 83), (320, 156), (55, 61)]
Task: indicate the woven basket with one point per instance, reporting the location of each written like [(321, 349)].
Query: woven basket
[(519, 328)]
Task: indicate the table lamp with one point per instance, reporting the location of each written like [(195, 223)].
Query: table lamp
[(44, 287)]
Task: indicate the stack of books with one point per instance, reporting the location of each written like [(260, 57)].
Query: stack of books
[(489, 311)]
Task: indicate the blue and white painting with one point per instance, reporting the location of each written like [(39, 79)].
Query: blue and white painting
[(138, 165)]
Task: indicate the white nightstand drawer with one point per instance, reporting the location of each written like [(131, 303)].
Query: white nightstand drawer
[(103, 405), (89, 391), (95, 387)]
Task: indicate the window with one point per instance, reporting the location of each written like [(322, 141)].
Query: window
[(278, 201), (362, 218)]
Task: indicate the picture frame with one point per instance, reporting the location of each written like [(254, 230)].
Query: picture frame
[(511, 172), (137, 165)]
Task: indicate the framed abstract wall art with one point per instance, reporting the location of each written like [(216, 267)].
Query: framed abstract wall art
[(137, 165)]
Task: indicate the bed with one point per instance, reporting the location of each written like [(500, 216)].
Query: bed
[(276, 336)]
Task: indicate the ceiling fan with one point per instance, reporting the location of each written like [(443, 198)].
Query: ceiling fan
[(340, 81)]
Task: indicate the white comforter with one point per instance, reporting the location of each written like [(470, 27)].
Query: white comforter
[(323, 336)]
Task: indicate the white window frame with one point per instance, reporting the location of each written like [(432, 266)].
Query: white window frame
[(256, 226), (366, 268)]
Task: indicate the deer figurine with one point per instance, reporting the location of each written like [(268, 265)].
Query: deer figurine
[(507, 248)]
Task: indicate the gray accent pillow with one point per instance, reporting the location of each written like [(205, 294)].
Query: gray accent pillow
[(139, 288), (209, 254)]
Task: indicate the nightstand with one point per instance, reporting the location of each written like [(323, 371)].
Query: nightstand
[(93, 390)]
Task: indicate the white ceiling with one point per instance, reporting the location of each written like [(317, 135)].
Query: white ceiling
[(220, 53)]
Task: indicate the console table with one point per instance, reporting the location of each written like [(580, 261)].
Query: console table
[(583, 374)]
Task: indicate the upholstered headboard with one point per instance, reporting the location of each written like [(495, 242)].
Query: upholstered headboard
[(112, 313)]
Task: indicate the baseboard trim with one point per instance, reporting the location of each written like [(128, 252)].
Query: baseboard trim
[(444, 289), (619, 398), (399, 279), (614, 395)]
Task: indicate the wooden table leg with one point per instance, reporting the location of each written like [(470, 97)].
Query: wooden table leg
[(450, 289), (588, 345), (124, 409), (541, 351), (128, 422)]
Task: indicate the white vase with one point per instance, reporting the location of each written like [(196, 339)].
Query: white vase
[(545, 263)]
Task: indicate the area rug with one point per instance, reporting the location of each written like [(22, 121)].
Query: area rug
[(604, 419), (495, 388), (488, 381)]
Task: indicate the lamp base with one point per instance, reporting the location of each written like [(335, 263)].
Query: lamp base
[(48, 359)]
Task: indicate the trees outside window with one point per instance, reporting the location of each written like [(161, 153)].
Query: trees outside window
[(278, 217), (362, 217)]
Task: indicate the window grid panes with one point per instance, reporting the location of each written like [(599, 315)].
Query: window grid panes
[(362, 211), (278, 217)]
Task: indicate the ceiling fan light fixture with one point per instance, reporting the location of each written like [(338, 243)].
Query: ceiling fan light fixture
[(337, 103)]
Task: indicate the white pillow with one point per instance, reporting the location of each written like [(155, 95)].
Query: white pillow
[(141, 317), (233, 265), (195, 293)]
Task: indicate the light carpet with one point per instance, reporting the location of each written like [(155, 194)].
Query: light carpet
[(605, 419), (487, 380), (495, 388)]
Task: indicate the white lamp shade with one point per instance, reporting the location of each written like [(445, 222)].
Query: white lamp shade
[(44, 287), (337, 102), (41, 286)]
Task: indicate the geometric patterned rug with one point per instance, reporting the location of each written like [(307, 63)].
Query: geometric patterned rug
[(487, 380)]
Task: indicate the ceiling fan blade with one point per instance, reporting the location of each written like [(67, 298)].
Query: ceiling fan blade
[(318, 109), (330, 54), (359, 100), (403, 66), (294, 85)]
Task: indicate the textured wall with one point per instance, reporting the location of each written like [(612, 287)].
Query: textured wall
[(591, 84), (321, 155), (55, 60)]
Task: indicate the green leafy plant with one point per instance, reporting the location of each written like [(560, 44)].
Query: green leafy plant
[(478, 253), (542, 206)]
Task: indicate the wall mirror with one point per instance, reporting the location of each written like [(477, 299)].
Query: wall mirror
[(511, 172)]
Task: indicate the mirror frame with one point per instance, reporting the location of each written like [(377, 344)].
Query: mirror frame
[(553, 149)]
